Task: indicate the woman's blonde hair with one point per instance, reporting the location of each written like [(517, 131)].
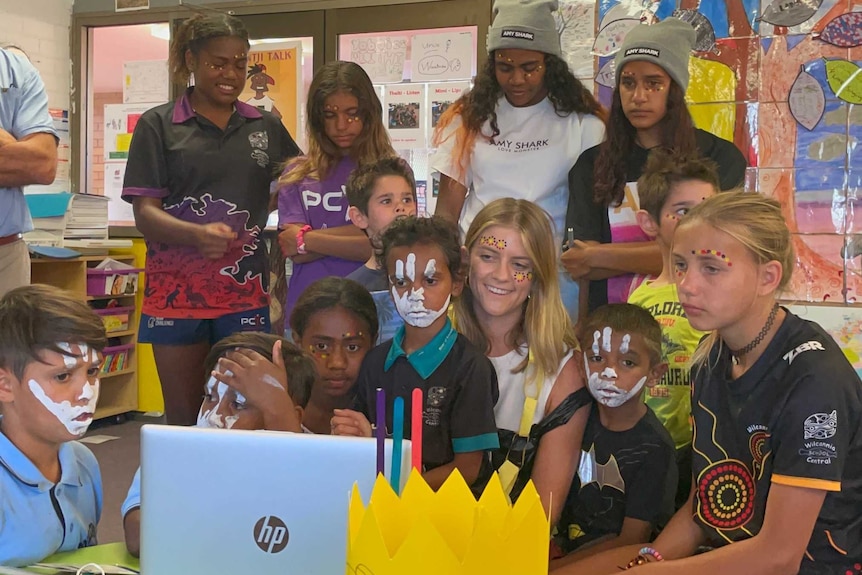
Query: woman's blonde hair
[(757, 223), (371, 145), (545, 325)]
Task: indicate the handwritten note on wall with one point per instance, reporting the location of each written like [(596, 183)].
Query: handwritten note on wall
[(438, 57), (381, 57)]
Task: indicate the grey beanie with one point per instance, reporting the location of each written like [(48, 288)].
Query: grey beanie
[(525, 25), (667, 44)]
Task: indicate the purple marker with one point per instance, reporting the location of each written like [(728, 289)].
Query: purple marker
[(381, 431)]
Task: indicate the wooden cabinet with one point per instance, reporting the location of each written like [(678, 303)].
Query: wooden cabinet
[(119, 388)]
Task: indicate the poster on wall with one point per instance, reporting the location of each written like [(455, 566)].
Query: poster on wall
[(119, 211), (382, 57), (440, 97), (145, 81), (120, 122), (273, 81), (436, 57), (403, 110)]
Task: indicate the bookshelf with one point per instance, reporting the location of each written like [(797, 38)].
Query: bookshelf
[(119, 388)]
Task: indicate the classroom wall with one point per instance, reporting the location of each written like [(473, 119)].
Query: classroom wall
[(41, 28)]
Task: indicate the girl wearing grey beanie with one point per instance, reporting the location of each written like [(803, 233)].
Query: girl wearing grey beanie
[(648, 111), (521, 128)]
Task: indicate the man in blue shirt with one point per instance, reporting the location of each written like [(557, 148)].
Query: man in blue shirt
[(28, 155)]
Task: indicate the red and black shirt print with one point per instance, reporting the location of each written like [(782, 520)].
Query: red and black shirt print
[(204, 174)]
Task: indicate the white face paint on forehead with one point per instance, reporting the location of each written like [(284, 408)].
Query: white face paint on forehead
[(607, 332), (431, 268), (596, 335), (624, 346), (399, 270), (410, 268), (211, 418), (69, 357)]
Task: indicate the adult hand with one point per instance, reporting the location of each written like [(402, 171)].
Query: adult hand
[(6, 138), (287, 240), (349, 422), (263, 383), (213, 239), (576, 259)]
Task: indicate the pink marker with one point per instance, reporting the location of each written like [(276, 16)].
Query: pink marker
[(416, 429)]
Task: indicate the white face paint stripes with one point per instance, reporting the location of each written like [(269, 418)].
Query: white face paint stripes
[(411, 305), (596, 335), (211, 418), (75, 418), (624, 346), (606, 339)]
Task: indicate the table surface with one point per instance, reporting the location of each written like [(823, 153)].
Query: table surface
[(108, 554)]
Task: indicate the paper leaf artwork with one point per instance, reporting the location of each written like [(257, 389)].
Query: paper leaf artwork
[(789, 12), (845, 79), (610, 38), (807, 100), (623, 11), (705, 39), (844, 31), (605, 77)]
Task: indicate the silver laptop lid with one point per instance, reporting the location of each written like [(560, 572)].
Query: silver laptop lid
[(218, 502)]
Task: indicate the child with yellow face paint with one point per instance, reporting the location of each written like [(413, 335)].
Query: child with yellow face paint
[(50, 354)]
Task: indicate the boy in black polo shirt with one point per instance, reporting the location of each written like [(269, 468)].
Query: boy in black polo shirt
[(422, 258)]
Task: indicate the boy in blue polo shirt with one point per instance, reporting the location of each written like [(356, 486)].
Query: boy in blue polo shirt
[(50, 354), (422, 259)]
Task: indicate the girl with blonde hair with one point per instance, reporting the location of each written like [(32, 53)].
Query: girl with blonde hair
[(776, 410), (511, 309)]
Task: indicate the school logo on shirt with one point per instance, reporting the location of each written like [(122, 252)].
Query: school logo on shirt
[(821, 425), (436, 398), (259, 142)]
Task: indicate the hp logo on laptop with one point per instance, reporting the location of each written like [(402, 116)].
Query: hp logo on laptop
[(270, 534)]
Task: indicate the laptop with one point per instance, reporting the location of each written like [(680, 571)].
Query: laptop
[(217, 502)]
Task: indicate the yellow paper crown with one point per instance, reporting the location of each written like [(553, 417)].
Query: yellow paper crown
[(448, 532)]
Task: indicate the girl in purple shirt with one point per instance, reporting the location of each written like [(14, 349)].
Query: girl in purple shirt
[(344, 130)]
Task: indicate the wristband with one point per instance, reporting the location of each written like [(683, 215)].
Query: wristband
[(300, 239), (650, 552)]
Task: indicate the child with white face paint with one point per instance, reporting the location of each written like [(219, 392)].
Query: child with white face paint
[(627, 468), (422, 258), (50, 355), (256, 381)]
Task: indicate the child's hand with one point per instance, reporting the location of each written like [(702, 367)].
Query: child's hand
[(576, 259), (349, 422), (287, 240), (263, 383), (213, 239)]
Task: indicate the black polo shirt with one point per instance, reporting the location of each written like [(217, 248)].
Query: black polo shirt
[(459, 386), (792, 419), (204, 174)]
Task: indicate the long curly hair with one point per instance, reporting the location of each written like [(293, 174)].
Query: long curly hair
[(609, 172), (479, 105)]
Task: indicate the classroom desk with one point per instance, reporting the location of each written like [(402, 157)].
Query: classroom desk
[(108, 554)]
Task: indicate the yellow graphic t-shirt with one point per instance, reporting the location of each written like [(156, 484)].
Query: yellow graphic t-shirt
[(671, 398)]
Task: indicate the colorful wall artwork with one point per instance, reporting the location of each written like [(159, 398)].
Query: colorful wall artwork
[(782, 79)]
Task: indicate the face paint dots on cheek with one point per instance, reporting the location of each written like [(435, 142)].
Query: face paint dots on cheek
[(75, 418), (715, 253), (492, 242), (523, 276)]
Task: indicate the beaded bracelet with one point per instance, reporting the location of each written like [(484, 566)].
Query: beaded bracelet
[(649, 551)]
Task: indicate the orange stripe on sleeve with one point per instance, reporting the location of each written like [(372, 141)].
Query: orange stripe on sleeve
[(807, 482)]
